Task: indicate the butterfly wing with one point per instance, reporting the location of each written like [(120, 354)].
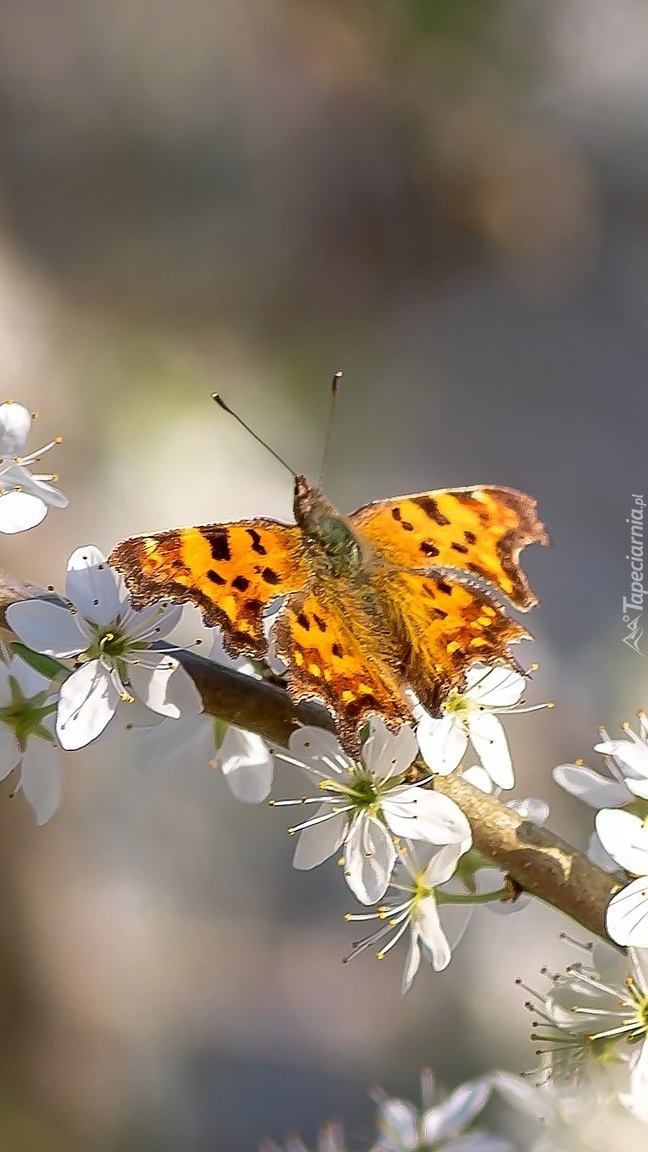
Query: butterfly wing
[(334, 656), (477, 530), (444, 625), (230, 571)]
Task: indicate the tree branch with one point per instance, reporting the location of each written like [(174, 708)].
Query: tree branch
[(537, 860)]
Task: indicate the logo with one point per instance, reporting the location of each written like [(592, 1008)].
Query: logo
[(633, 605)]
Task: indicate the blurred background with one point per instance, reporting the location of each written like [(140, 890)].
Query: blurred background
[(447, 199)]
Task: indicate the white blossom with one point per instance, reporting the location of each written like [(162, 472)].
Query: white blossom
[(472, 715), (111, 642), (413, 908), (27, 741), (202, 741), (588, 1117), (587, 1018), (24, 497), (625, 837), (625, 778), (330, 1139), (365, 806), (440, 1124), (626, 763)]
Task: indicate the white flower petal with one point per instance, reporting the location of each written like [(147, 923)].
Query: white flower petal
[(153, 622), (15, 424), (30, 682), (442, 742), (531, 809), (20, 511), (625, 837), (369, 859), (318, 751), (41, 778), (443, 865), (525, 1096), (93, 587), (633, 756), (639, 1082), (398, 1125), (412, 962), (387, 753), (420, 814), (591, 787), (88, 700), (597, 854), (626, 918), (457, 1111), (317, 843), (496, 687), (638, 787), (490, 744), (46, 627), (10, 750), (175, 743), (164, 685), (247, 765), (52, 497), (479, 778), (431, 934)]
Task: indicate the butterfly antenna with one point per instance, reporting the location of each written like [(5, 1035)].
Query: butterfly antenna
[(335, 388), (219, 400)]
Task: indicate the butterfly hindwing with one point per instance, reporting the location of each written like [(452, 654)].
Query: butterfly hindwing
[(338, 663), (230, 571), (479, 530), (446, 625)]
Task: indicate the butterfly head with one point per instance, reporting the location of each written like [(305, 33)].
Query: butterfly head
[(322, 523)]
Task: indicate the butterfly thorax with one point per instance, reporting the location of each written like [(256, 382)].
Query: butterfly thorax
[(328, 531)]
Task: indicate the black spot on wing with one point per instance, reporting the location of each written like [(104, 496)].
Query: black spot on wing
[(219, 543), (459, 547), (303, 621), (470, 537), (337, 650), (257, 546), (429, 505), (215, 577), (429, 549), (321, 624), (241, 582), (270, 576)]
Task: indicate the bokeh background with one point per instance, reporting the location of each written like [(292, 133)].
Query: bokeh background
[(448, 199)]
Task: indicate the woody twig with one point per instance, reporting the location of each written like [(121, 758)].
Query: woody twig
[(538, 861)]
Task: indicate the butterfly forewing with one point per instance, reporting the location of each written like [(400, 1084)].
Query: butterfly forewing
[(230, 571), (478, 530)]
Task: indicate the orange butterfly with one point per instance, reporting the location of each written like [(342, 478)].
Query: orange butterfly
[(378, 602)]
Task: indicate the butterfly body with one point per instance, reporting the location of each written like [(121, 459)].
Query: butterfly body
[(386, 600)]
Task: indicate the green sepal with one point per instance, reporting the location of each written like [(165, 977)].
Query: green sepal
[(46, 665)]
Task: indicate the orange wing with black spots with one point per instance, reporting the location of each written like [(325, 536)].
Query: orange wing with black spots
[(230, 571), (445, 625), (333, 655), (477, 530)]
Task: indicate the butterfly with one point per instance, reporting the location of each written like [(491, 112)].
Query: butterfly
[(384, 602)]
